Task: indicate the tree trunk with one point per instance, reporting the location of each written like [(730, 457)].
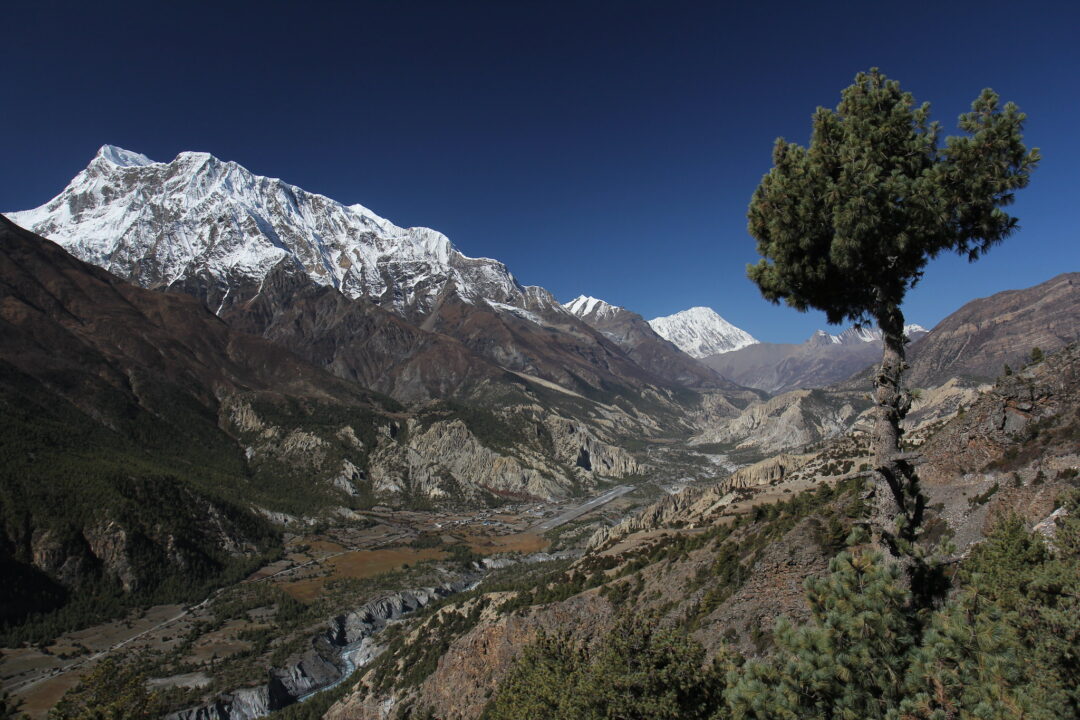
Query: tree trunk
[(895, 501)]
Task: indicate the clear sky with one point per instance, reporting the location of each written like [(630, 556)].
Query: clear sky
[(604, 148)]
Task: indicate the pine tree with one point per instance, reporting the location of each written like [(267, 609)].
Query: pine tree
[(848, 662), (637, 671), (543, 682), (111, 691), (847, 225)]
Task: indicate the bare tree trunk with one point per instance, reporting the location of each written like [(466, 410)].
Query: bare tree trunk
[(895, 501)]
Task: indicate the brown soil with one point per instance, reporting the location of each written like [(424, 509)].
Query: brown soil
[(359, 564), (523, 542)]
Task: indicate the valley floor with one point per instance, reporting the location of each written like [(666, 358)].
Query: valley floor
[(377, 550)]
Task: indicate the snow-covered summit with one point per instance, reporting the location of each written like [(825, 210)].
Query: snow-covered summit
[(701, 332), (122, 158), (584, 306), (158, 224)]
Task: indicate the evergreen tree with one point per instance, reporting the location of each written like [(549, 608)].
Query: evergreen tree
[(644, 672), (9, 707), (111, 691), (542, 682), (848, 663), (847, 224), (636, 672)]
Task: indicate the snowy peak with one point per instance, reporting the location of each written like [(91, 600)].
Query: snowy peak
[(701, 332), (586, 307), (160, 224), (855, 335), (122, 158)]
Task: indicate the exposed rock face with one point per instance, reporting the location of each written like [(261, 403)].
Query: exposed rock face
[(980, 338), (641, 342), (242, 704), (319, 666), (372, 617), (1040, 402), (446, 460), (356, 339), (696, 507), (791, 420), (767, 472)]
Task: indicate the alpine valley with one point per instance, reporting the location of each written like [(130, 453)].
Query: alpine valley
[(276, 448)]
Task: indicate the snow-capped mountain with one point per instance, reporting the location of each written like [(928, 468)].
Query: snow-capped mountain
[(584, 306), (642, 343), (701, 332), (159, 224), (855, 335), (397, 309)]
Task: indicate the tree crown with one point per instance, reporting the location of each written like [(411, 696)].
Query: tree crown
[(847, 224)]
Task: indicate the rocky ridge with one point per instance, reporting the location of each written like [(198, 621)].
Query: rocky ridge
[(641, 342), (821, 361)]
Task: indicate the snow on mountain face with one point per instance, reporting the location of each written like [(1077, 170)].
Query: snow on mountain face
[(157, 223), (584, 306), (858, 335), (700, 332)]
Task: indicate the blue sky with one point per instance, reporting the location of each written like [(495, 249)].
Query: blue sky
[(604, 148)]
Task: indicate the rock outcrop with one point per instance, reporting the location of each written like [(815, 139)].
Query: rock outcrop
[(1038, 403), (694, 507), (322, 665), (788, 421)]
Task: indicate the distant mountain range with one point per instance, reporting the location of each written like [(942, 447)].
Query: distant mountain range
[(399, 310), (822, 360), (643, 342)]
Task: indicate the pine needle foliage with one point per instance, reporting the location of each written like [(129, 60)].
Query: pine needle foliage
[(111, 691), (848, 662), (847, 224)]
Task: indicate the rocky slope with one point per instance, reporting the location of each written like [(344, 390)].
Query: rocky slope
[(641, 342), (822, 360), (791, 420), (140, 432), (349, 639), (272, 258), (984, 335), (725, 562), (1032, 415)]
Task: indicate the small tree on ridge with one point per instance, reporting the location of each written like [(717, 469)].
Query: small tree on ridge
[(847, 224)]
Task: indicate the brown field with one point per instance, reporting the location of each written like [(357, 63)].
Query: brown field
[(38, 700), (221, 643), (522, 542), (359, 564), (322, 547)]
